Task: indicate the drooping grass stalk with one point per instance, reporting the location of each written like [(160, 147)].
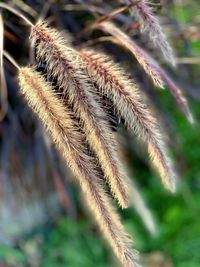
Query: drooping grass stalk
[(152, 68), (178, 95), (151, 25), (63, 63), (16, 12), (25, 8), (11, 59), (129, 44), (58, 120), (130, 105)]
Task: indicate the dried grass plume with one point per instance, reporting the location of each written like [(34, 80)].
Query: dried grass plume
[(152, 68), (63, 64), (129, 104), (151, 25), (68, 140)]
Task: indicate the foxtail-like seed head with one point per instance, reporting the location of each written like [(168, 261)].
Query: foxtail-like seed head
[(58, 120), (151, 25), (63, 63), (152, 68), (129, 103), (142, 57)]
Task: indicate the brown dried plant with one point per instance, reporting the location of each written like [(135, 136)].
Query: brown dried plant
[(152, 68), (62, 63), (58, 120), (142, 57), (78, 122), (129, 104), (150, 25)]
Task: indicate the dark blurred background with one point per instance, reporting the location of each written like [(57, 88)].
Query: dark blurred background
[(43, 221)]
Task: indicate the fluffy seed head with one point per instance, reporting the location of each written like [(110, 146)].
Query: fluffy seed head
[(130, 105), (68, 140), (142, 57), (63, 63), (150, 25), (152, 68)]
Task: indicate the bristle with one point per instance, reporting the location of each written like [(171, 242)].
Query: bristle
[(68, 140), (130, 105), (63, 63), (152, 68), (142, 57), (150, 25)]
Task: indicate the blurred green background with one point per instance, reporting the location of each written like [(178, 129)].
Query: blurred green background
[(75, 242)]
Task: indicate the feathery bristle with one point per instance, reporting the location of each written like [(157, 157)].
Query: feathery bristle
[(152, 68), (150, 25), (63, 63), (129, 104), (128, 43), (57, 119)]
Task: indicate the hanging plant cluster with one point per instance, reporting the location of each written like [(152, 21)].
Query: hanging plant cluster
[(69, 98)]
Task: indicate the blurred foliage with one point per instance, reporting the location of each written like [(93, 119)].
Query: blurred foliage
[(77, 244)]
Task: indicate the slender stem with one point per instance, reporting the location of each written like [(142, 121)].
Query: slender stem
[(3, 86), (11, 59), (16, 12)]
